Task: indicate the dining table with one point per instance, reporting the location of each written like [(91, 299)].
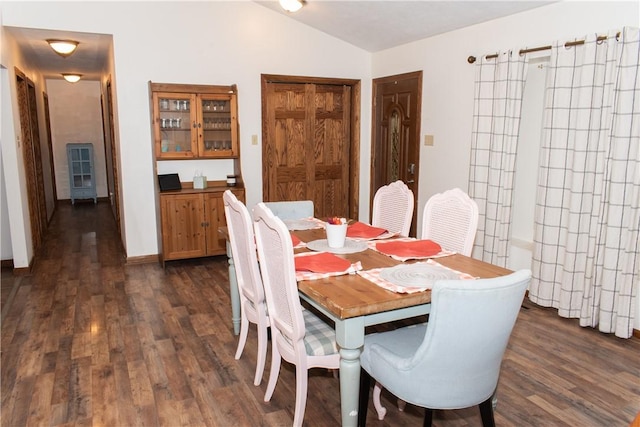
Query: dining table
[(353, 302)]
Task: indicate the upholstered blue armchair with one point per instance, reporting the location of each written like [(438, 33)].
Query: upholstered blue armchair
[(454, 360)]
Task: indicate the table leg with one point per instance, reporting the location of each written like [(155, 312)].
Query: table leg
[(350, 338), (233, 292)]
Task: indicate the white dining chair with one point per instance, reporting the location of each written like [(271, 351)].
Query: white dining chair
[(454, 360), (451, 220), (393, 208), (297, 336), (291, 209), (253, 305)]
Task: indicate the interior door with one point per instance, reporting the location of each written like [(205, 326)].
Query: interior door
[(47, 121), (308, 144), (111, 157), (396, 133), (32, 157)]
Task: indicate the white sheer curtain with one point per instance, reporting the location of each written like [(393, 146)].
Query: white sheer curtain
[(499, 88), (586, 259)]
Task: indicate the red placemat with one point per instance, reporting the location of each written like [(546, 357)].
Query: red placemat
[(295, 240), (321, 262), (409, 249), (365, 231)]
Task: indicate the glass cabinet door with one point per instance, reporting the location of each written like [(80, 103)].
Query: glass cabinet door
[(175, 125), (217, 137)]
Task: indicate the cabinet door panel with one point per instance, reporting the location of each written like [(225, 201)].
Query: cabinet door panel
[(175, 125), (216, 244), (217, 138), (183, 233)]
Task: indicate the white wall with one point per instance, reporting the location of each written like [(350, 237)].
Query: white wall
[(199, 43), (447, 108), (76, 116), (6, 252)]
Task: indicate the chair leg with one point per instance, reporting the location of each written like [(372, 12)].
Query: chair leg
[(486, 412), (262, 354), (363, 404), (276, 360), (302, 381), (428, 417), (242, 340), (381, 410)]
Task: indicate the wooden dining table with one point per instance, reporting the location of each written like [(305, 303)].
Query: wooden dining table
[(353, 303)]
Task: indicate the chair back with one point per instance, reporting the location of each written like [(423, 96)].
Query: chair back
[(451, 220), (243, 249), (275, 252), (294, 209), (393, 208), (458, 363)]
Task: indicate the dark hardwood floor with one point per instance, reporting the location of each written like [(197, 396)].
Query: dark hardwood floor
[(90, 341)]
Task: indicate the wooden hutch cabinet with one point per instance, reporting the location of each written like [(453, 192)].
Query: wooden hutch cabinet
[(195, 122)]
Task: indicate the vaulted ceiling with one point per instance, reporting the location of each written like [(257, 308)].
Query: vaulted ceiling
[(369, 25)]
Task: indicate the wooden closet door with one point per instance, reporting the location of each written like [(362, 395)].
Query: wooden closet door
[(307, 145)]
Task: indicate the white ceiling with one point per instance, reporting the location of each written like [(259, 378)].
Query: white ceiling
[(378, 25), (88, 59), (370, 25)]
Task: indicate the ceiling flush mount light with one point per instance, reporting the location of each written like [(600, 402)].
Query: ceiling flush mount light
[(71, 77), (63, 48), (292, 5)]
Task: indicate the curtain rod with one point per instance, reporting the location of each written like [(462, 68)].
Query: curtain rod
[(472, 59)]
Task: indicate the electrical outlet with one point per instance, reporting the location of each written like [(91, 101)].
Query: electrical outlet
[(428, 140)]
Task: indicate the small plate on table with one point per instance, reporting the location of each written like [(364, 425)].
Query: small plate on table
[(350, 246)]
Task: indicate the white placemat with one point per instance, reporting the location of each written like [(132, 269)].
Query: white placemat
[(350, 246), (417, 275), (303, 223), (374, 275)]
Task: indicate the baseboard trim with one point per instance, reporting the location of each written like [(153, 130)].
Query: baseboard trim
[(22, 271), (147, 259)]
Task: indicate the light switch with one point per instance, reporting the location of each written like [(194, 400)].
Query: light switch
[(428, 140), (254, 139)]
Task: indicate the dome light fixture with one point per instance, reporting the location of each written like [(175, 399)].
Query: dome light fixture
[(63, 48), (72, 77), (292, 5)]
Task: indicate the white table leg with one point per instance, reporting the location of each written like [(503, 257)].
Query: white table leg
[(233, 292), (350, 338)]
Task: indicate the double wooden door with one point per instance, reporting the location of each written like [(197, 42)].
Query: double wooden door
[(309, 145)]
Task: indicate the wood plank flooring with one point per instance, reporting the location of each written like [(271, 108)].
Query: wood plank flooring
[(90, 341)]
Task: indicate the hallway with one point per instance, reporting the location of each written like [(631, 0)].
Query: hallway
[(91, 341)]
